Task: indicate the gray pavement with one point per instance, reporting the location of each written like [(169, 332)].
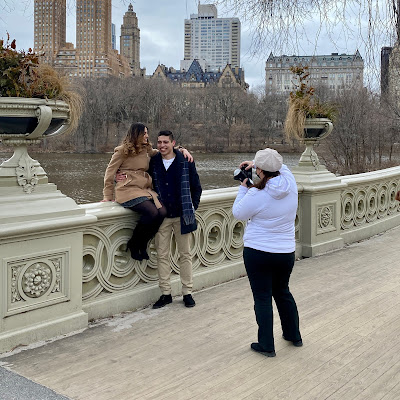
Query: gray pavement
[(349, 304), (16, 387)]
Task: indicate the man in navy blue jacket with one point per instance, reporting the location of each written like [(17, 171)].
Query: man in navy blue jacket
[(178, 185)]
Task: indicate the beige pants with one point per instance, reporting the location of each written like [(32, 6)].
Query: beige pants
[(162, 241)]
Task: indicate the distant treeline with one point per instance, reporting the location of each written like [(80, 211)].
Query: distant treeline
[(228, 120), (212, 119)]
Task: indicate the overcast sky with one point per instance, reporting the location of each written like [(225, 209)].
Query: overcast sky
[(161, 26)]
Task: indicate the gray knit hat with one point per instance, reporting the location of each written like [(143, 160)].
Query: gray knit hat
[(268, 160)]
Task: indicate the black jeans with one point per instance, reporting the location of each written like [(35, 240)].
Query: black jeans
[(269, 275)]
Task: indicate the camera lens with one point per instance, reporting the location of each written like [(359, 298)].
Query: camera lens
[(238, 175)]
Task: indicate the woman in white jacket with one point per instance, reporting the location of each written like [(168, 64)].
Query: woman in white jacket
[(269, 245)]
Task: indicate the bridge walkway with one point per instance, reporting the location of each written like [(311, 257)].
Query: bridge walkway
[(349, 305)]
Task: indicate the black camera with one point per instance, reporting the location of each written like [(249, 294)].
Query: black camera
[(241, 174)]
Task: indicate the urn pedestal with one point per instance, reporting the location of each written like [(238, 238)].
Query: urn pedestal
[(23, 122)]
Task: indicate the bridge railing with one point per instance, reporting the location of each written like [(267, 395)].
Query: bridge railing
[(114, 282), (63, 264), (368, 204)]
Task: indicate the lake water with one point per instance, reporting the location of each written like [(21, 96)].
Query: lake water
[(80, 176)]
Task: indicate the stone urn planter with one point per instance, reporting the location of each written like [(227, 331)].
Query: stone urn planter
[(25, 121), (308, 119), (27, 118), (315, 129)]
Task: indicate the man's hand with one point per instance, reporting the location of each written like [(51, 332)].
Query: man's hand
[(249, 164)]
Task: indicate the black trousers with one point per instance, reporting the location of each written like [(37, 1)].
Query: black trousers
[(269, 275)]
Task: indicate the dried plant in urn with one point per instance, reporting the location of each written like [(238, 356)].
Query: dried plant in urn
[(23, 76), (304, 107)]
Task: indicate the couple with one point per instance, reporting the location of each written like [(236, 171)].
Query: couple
[(170, 207)]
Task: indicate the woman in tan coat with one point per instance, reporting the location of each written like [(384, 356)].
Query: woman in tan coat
[(131, 159)]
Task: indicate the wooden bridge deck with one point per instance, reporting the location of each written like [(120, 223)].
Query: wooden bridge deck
[(349, 304)]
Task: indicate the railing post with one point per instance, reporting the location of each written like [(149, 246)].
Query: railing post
[(318, 227), (41, 242)]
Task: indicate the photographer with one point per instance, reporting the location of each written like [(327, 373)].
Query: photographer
[(269, 246)]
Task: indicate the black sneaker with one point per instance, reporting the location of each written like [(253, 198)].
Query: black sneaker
[(144, 255), (136, 255), (257, 347), (163, 301), (296, 343), (188, 300)]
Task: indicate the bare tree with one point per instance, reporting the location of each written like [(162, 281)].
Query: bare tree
[(287, 24), (364, 133), (224, 119)]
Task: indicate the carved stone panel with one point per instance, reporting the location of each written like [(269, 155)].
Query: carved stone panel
[(325, 218), (35, 281)]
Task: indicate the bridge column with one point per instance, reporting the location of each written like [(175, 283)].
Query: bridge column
[(318, 225), (41, 233)]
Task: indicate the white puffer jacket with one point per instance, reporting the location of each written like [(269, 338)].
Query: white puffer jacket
[(270, 212)]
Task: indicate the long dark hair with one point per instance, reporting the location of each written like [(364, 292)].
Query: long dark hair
[(132, 142), (267, 176)]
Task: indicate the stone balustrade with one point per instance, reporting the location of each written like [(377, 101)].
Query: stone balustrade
[(368, 204), (109, 273), (63, 264)]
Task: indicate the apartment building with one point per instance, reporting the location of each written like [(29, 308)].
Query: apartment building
[(195, 77), (93, 55), (335, 71), (49, 28), (212, 39), (96, 58)]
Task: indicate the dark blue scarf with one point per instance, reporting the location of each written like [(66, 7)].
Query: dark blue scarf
[(186, 198)]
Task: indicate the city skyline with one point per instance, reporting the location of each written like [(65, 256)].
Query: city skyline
[(93, 55), (162, 35)]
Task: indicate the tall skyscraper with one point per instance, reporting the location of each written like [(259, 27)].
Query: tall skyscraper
[(94, 55), (49, 27), (93, 32), (130, 40), (215, 40)]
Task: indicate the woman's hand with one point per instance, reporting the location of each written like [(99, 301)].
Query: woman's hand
[(244, 183), (186, 154), (249, 164), (119, 177)]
